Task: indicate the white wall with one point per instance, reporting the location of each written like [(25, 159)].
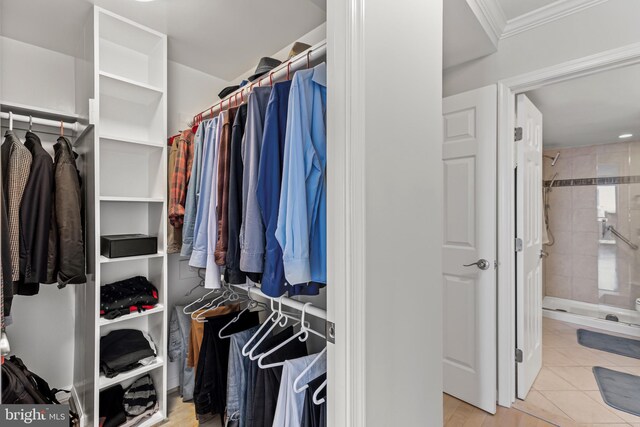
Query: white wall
[(403, 215), (599, 28), (35, 76)]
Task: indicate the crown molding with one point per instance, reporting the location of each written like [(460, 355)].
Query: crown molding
[(491, 18), (544, 15)]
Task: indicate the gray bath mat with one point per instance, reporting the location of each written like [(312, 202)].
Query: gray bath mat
[(619, 390), (610, 343)]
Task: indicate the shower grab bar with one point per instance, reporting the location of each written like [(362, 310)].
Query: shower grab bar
[(621, 237)]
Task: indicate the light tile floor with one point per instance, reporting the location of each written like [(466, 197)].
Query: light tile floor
[(565, 392)]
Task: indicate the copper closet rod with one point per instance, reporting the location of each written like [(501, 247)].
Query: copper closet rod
[(282, 72)]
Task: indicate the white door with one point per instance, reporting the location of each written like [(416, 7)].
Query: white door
[(469, 246), (529, 230)]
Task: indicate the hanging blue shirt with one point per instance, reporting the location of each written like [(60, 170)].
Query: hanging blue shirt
[(193, 192), (302, 213), (268, 192), (199, 254)]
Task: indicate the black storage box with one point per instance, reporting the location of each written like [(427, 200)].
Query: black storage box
[(121, 245)]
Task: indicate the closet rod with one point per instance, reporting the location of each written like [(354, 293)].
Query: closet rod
[(296, 305), (39, 121), (298, 62)]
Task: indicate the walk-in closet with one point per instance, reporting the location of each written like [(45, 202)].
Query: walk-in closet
[(191, 223)]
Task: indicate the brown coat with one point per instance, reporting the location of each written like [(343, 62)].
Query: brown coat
[(224, 164), (68, 206)]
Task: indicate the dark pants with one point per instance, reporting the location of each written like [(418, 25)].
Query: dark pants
[(210, 393), (266, 384), (314, 415)]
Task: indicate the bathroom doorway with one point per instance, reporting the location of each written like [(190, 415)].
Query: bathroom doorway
[(580, 224)]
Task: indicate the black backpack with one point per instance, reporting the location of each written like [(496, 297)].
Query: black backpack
[(21, 386), (126, 296)]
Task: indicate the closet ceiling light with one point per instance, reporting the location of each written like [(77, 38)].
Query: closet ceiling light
[(625, 135)]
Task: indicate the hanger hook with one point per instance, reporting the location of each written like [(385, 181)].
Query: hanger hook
[(271, 79), (10, 120), (30, 123), (289, 70), (304, 314), (308, 59), (61, 128)]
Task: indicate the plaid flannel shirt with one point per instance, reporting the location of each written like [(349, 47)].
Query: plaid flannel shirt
[(179, 180)]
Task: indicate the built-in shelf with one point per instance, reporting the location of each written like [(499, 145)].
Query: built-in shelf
[(106, 138), (128, 89), (131, 199), (105, 260), (107, 382), (156, 418), (159, 308)]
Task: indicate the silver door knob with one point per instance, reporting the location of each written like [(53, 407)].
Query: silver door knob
[(482, 264)]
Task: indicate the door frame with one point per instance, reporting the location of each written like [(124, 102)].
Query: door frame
[(507, 91)]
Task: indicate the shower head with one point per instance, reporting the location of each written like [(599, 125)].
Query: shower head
[(554, 159)]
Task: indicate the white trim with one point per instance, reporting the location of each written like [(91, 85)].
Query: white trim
[(549, 13), (590, 322), (78, 406), (506, 248), (491, 18), (346, 220), (507, 89)]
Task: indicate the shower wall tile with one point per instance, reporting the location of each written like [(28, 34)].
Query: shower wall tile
[(559, 265), (563, 242), (585, 290), (558, 286), (584, 197), (585, 220), (585, 266), (585, 243), (583, 166), (613, 163)]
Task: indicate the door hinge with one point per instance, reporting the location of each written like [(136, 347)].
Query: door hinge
[(519, 356), (518, 244), (517, 134), (330, 332)]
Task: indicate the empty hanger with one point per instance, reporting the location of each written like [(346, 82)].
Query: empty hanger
[(297, 386), (316, 395), (281, 318), (302, 335), (252, 304)]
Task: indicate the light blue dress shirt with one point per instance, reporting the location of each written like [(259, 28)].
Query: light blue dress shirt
[(291, 404), (212, 276), (193, 192), (302, 213), (200, 241)]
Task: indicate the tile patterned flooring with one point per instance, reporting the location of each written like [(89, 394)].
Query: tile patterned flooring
[(565, 392)]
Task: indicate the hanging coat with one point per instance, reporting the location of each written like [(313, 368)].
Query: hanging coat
[(68, 206), (35, 218)]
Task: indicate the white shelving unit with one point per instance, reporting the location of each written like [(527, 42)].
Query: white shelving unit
[(129, 78)]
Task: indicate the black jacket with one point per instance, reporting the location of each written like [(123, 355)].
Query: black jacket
[(35, 218), (232, 273), (68, 206)]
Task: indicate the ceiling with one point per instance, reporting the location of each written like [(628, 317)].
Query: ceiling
[(515, 8), (590, 110), (201, 32)]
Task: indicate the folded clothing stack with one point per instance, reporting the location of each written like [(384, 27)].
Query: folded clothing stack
[(125, 349), (126, 296), (119, 407)]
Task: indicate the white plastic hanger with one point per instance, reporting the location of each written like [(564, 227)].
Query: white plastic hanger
[(185, 310), (316, 400), (296, 382), (252, 304), (228, 295), (302, 335), (282, 319), (10, 120)]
